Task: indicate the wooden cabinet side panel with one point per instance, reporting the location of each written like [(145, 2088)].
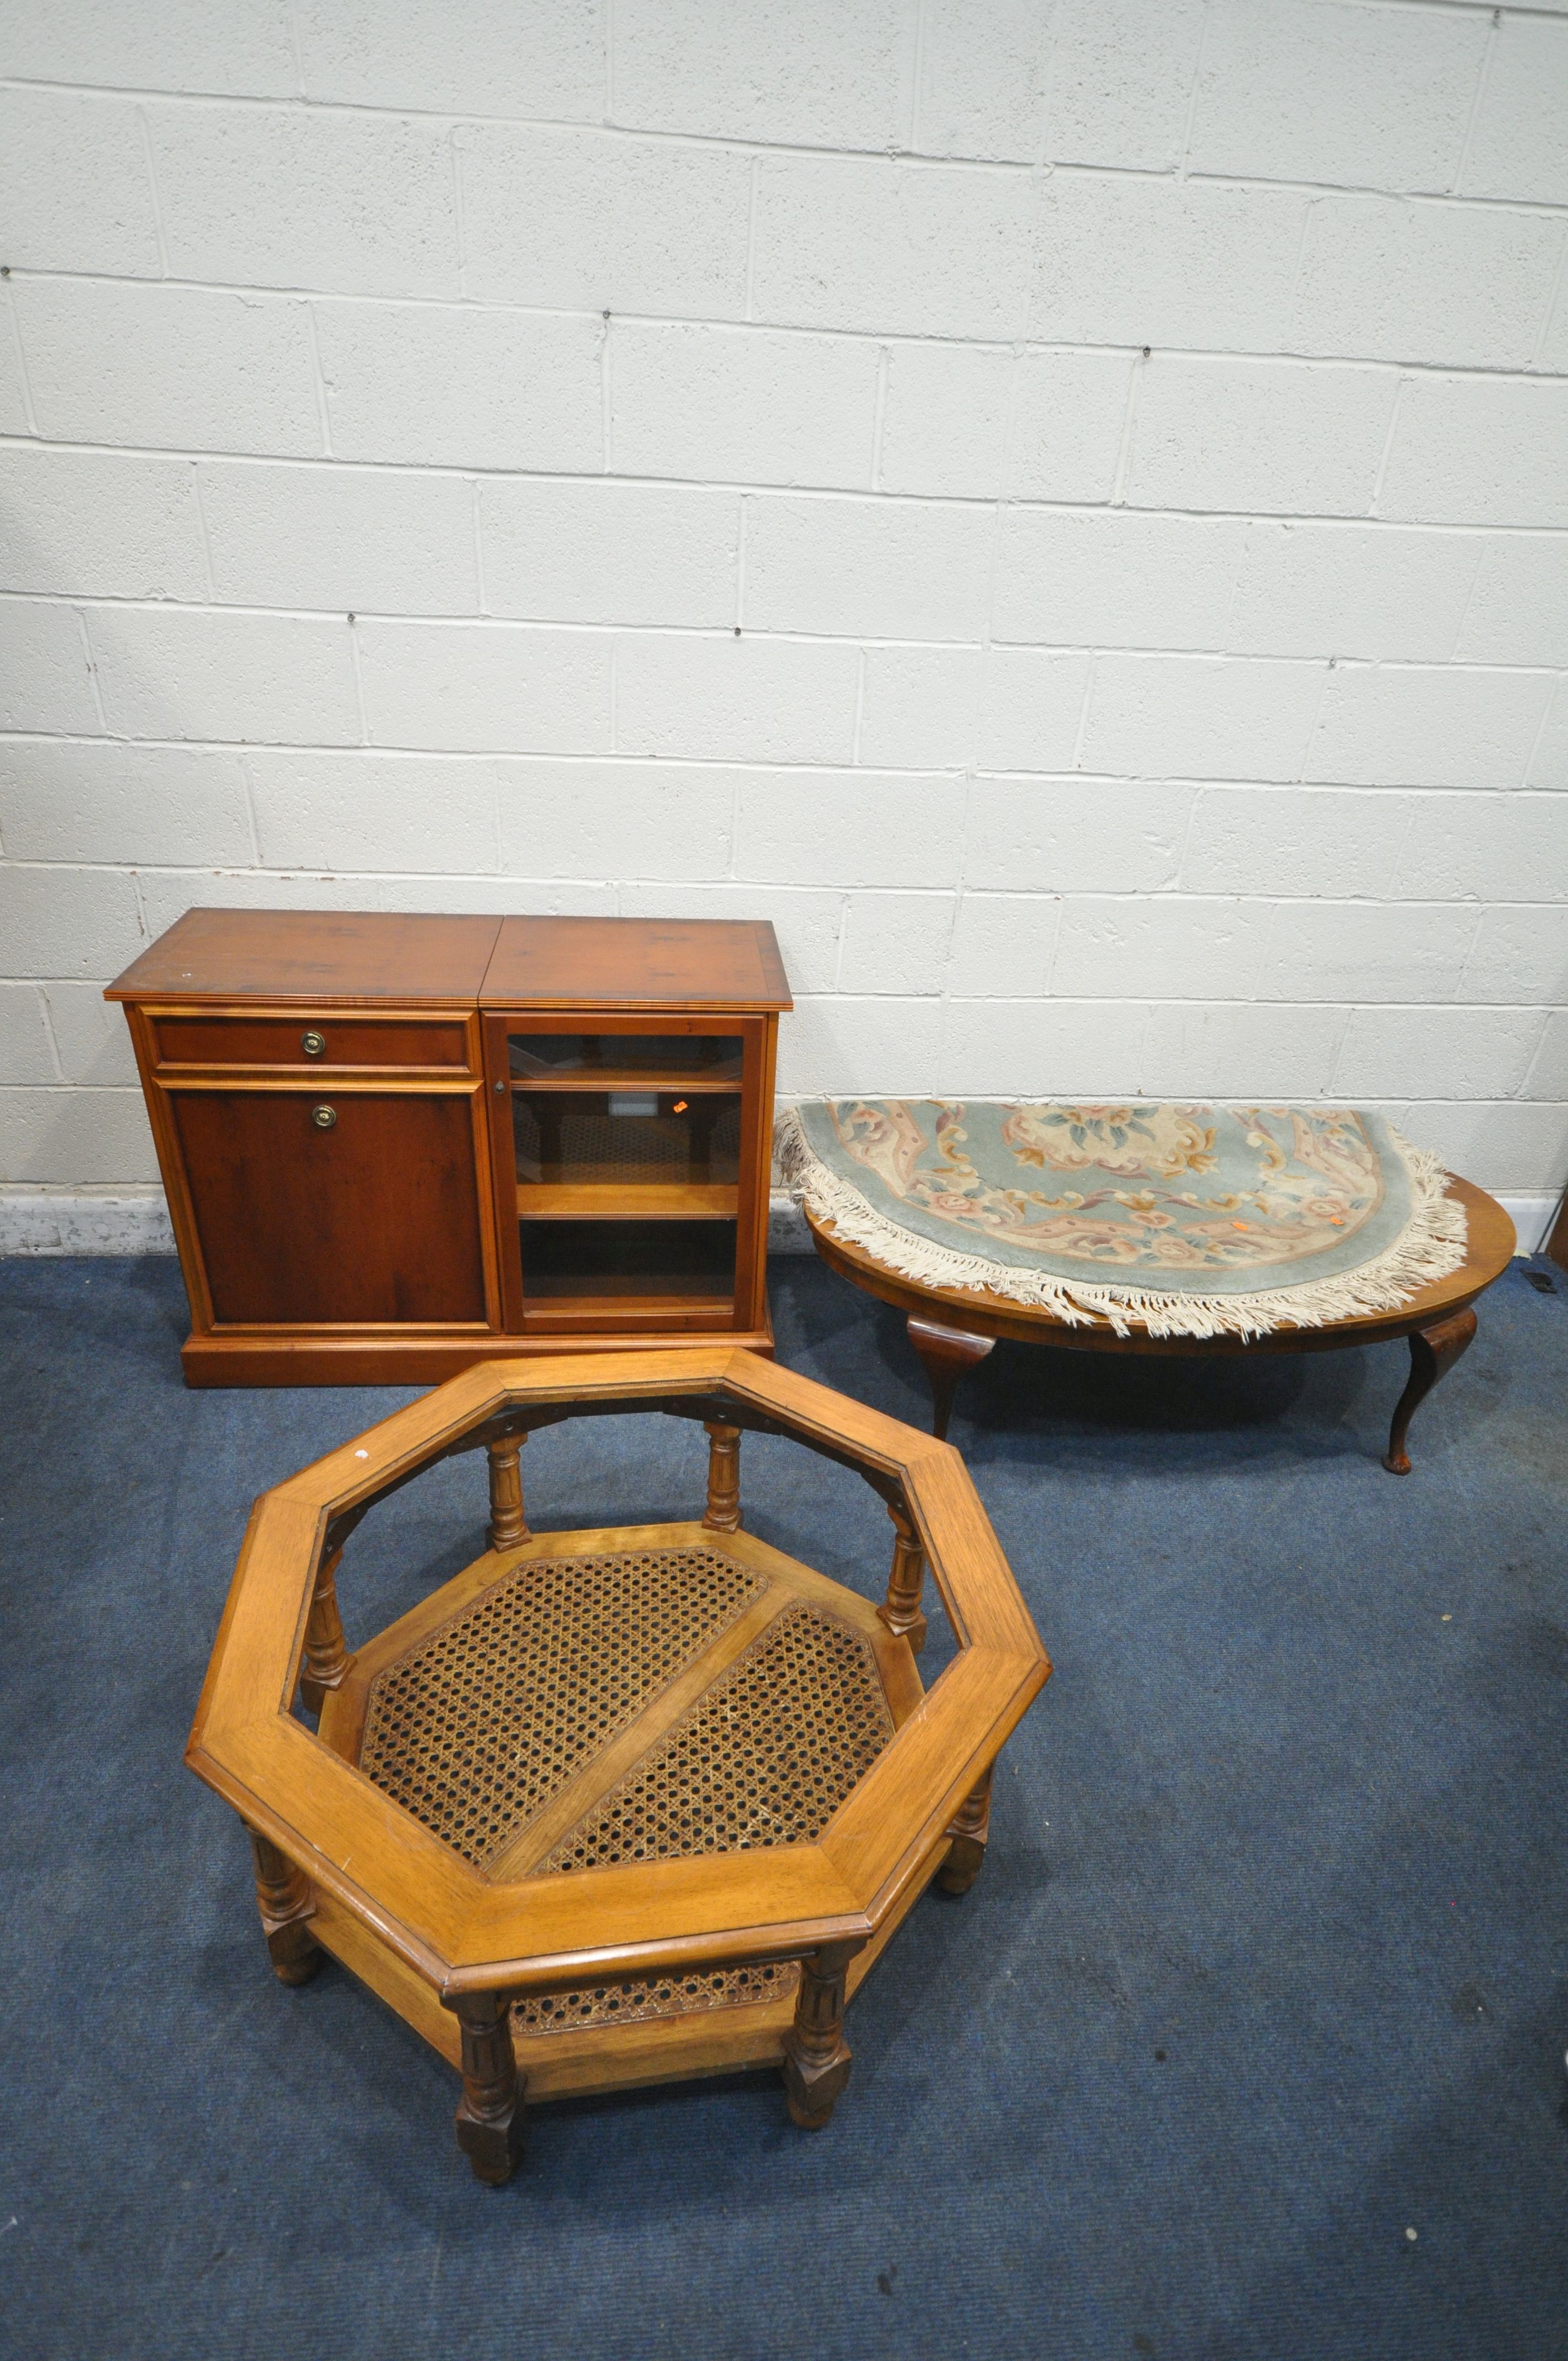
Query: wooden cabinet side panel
[(171, 1168)]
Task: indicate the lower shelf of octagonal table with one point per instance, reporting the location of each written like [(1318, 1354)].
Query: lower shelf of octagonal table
[(635, 1692)]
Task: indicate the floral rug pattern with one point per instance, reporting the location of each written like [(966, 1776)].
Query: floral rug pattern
[(1191, 1220), (1172, 1188)]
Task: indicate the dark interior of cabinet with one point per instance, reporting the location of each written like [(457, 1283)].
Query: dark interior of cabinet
[(628, 1258)]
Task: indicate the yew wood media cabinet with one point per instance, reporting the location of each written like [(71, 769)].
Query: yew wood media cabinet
[(395, 1144)]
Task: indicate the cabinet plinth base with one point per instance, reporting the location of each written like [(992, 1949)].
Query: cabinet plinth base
[(282, 1359)]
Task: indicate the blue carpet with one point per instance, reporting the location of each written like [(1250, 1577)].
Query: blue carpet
[(1268, 1964)]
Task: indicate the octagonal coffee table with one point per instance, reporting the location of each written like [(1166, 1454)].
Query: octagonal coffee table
[(619, 1806)]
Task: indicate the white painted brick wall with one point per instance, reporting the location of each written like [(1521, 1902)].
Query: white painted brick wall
[(1064, 509)]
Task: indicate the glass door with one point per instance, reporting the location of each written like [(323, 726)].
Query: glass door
[(625, 1151)]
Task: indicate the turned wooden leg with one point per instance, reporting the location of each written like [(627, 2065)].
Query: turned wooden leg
[(947, 1354), (901, 1611), (1433, 1352), (489, 2115), (817, 2055), (508, 1524), (287, 1905), (326, 1652), (969, 1829), (723, 1511)]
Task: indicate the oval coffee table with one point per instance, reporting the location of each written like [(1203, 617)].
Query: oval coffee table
[(951, 1328)]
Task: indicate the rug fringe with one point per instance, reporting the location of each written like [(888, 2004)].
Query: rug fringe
[(1431, 1246)]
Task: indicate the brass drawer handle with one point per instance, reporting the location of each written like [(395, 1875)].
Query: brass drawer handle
[(314, 1044), (323, 1117)]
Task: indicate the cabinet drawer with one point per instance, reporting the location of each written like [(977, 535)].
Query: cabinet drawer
[(291, 1040)]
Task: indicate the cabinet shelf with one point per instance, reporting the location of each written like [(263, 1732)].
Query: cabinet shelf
[(630, 1078), (595, 1201)]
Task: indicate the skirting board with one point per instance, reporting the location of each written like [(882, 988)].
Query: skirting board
[(37, 1218)]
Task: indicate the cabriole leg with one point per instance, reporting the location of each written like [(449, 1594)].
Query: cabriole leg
[(723, 1512), (326, 1652), (901, 1611), (508, 1526), (489, 2115), (969, 1831), (1433, 1352), (817, 2055), (946, 1353), (287, 1905)]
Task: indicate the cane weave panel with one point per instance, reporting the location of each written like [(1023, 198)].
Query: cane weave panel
[(765, 1757), (479, 1726), (650, 1996)]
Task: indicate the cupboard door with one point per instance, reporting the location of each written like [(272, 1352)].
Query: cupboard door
[(370, 1217)]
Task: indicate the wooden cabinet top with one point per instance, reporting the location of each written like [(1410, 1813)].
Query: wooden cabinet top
[(345, 957), (342, 956), (730, 963)]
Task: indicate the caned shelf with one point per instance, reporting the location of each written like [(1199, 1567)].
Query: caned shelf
[(614, 1805)]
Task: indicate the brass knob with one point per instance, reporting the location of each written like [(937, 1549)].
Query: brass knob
[(314, 1044), (323, 1117)]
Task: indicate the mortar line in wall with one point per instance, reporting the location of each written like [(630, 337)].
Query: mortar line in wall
[(1308, 210), (1283, 359), (479, 548), (1551, 303), (455, 157), (749, 299), (150, 162), (753, 143), (607, 404), (916, 75), (1177, 890), (1478, 911), (1387, 451), (1470, 905), (1291, 357), (811, 767), (1524, 786), (879, 413), (1452, 657), (859, 494), (1397, 866), (19, 442), (1129, 428), (1183, 165), (251, 823), (86, 637), (1088, 681), (352, 630), (1310, 739), (1484, 74), (1518, 1096), (741, 565), (323, 414), (298, 47), (1142, 653), (47, 1015), (207, 573)]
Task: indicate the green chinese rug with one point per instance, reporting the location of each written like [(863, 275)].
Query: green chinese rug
[(1188, 1220)]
